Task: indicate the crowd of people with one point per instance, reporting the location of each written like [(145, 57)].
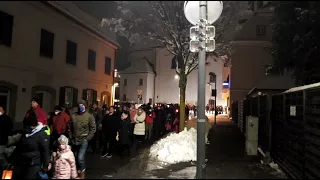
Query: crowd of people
[(55, 145)]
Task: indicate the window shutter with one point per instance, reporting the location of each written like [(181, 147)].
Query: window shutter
[(62, 96), (84, 94), (94, 97), (75, 97)]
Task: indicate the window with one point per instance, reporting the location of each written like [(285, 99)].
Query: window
[(261, 30), (251, 5), (174, 62), (6, 24), (46, 43), (259, 4), (71, 57), (91, 60), (107, 66), (140, 82), (68, 97), (124, 97), (125, 81), (90, 96)]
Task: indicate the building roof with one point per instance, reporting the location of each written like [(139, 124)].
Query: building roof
[(73, 12), (273, 82), (139, 66)]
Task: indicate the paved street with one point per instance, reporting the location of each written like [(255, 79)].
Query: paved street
[(226, 155)]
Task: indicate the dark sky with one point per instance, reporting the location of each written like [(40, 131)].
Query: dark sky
[(99, 10)]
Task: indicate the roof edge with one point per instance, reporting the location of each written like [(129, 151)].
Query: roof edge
[(81, 23)]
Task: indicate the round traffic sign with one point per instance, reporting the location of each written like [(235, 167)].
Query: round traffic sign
[(192, 11)]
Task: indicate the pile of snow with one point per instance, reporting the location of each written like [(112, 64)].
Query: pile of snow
[(175, 148)]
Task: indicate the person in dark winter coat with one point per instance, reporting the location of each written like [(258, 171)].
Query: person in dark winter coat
[(110, 128), (81, 130), (5, 131), (97, 114), (32, 153), (159, 122), (125, 132)]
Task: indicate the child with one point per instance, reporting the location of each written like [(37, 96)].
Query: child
[(64, 161)]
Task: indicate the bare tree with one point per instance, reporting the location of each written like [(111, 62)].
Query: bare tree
[(165, 23)]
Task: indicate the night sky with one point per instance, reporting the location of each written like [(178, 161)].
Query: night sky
[(99, 10)]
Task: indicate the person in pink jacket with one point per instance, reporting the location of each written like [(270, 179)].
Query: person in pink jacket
[(63, 161), (133, 112)]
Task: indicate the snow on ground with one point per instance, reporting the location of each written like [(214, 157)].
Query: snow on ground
[(186, 173), (175, 148)]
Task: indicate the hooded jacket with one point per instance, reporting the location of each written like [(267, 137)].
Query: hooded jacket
[(64, 162), (32, 149)]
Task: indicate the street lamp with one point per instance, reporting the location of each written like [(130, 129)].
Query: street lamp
[(176, 77), (202, 14)]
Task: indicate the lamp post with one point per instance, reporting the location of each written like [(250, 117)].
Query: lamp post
[(202, 14)]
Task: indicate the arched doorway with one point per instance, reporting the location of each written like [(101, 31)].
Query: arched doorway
[(46, 95), (8, 97), (105, 98)]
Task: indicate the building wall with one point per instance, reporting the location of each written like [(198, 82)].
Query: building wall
[(130, 90), (250, 56), (22, 66), (167, 89)]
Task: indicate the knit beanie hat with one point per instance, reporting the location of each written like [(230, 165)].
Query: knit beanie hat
[(35, 100), (82, 102)]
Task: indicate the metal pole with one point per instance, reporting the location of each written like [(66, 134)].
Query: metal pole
[(201, 124), (215, 100)]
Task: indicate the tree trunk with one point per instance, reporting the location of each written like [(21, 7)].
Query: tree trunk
[(182, 86)]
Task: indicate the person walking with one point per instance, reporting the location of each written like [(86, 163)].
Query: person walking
[(31, 155), (41, 114), (133, 112), (97, 114), (60, 123), (83, 127), (110, 128), (149, 123), (63, 161), (139, 127), (125, 133), (158, 123), (6, 126)]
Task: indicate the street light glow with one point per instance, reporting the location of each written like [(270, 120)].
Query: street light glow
[(176, 77)]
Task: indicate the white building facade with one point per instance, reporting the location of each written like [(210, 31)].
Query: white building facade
[(165, 85), (51, 52), (137, 82)]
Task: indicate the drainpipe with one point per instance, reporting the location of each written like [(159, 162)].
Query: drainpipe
[(155, 75)]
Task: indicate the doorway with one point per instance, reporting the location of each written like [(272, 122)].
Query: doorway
[(105, 98), (5, 98), (46, 96), (45, 100)]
